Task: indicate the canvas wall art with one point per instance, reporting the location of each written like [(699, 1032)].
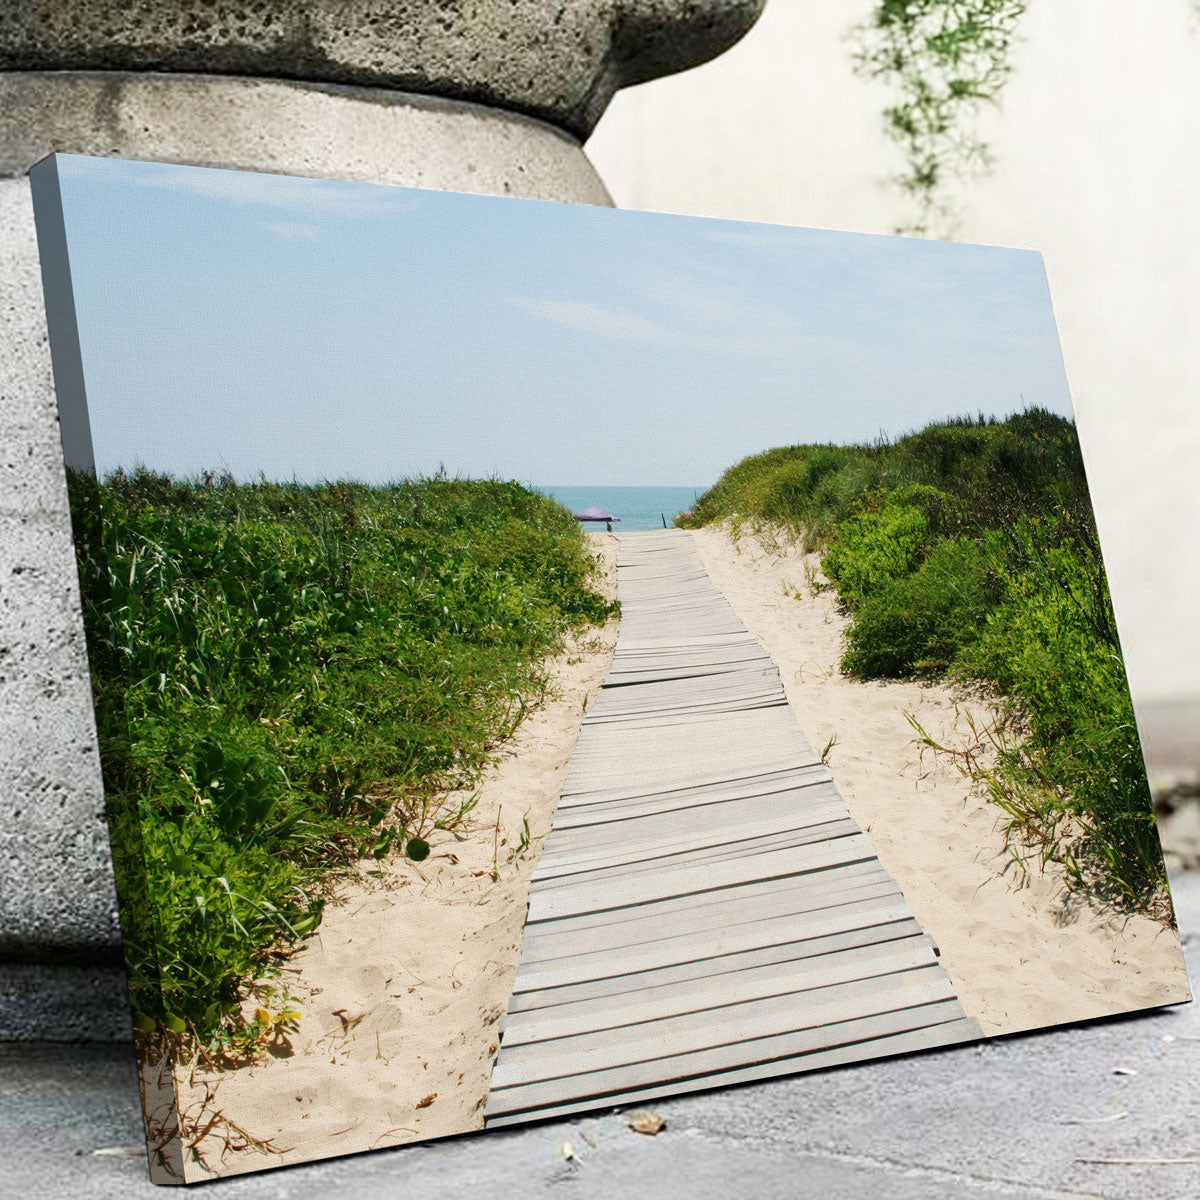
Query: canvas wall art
[(548, 658)]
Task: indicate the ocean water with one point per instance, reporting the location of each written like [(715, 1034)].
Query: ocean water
[(638, 507)]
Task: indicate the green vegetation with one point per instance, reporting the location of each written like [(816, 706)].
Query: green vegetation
[(289, 679), (969, 551), (944, 61)]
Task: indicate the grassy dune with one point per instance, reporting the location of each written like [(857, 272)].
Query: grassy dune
[(287, 680), (968, 550)]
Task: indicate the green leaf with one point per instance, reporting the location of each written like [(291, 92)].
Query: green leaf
[(384, 843)]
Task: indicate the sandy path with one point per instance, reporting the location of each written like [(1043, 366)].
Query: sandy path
[(403, 984), (1018, 958)]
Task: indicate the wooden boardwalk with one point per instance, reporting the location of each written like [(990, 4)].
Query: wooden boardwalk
[(706, 910)]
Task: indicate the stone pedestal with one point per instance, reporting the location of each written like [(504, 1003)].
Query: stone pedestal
[(492, 96)]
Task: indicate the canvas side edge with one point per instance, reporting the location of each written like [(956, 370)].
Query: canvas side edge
[(157, 1078)]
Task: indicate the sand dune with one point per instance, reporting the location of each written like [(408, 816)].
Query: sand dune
[(1018, 955)]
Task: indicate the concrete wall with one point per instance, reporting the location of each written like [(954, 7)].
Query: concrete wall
[(1097, 149)]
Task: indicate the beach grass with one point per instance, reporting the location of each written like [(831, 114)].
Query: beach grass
[(968, 551), (288, 680)]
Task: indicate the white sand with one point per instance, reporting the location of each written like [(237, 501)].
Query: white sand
[(402, 986), (1019, 957)]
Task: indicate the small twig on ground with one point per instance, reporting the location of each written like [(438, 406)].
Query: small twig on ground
[(1139, 1162), (495, 871)]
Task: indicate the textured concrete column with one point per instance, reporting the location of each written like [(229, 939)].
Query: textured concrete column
[(491, 96)]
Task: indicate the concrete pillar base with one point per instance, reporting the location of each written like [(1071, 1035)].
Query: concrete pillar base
[(329, 130)]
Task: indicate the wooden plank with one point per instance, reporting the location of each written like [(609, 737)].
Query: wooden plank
[(636, 1046), (551, 901), (693, 689), (689, 689), (685, 756), (707, 745), (653, 710), (582, 837), (684, 714), (748, 945), (736, 738), (657, 833), (722, 784), (757, 900), (933, 1036), (880, 906), (682, 793), (690, 641), (719, 991), (647, 840), (585, 819), (656, 829), (614, 772), (631, 671), (693, 682), (706, 847)]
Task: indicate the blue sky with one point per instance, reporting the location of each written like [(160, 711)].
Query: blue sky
[(312, 329)]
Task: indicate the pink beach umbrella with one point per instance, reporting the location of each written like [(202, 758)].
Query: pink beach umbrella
[(597, 514)]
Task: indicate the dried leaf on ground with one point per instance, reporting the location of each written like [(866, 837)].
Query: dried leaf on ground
[(649, 1123)]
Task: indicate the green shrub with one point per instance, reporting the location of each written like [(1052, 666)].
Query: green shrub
[(873, 550), (286, 679), (968, 548), (1050, 644), (923, 622)]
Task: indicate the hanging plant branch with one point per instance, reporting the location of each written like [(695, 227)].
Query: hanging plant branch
[(945, 59)]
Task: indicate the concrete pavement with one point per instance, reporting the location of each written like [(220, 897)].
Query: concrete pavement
[(1017, 1117)]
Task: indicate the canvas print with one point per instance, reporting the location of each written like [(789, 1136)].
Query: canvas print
[(548, 658)]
